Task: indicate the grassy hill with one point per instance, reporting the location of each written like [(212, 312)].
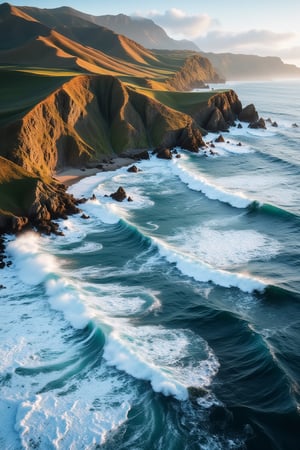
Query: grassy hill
[(72, 99)]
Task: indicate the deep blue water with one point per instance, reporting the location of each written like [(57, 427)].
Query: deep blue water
[(170, 322)]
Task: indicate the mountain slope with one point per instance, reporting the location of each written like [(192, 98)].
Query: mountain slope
[(246, 67), (144, 31), (81, 28)]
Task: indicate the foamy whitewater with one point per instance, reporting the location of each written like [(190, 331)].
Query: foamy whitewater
[(169, 322)]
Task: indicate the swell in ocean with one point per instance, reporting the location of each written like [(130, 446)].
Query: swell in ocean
[(168, 322)]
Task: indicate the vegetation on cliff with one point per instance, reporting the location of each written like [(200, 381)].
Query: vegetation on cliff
[(66, 104)]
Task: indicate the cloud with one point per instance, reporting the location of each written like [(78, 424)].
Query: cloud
[(226, 41), (254, 42), (179, 24)]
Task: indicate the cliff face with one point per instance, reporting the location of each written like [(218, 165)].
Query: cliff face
[(87, 118), (93, 116), (220, 111), (27, 200), (195, 73)]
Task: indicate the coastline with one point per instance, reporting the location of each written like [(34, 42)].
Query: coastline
[(71, 175)]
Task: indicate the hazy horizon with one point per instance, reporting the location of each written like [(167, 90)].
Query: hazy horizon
[(259, 28)]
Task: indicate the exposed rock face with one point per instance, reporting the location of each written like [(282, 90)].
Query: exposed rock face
[(220, 112), (92, 116), (119, 195), (190, 138), (248, 114), (49, 203), (196, 72), (163, 153), (133, 169), (89, 117), (260, 123), (29, 201), (220, 138)]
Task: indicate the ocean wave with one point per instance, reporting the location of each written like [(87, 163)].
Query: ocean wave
[(209, 189), (157, 355), (203, 272), (80, 419), (122, 342), (225, 248)]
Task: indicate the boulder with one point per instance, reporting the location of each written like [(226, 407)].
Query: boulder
[(190, 138), (295, 125), (133, 169), (216, 121), (260, 123), (220, 139), (119, 195), (249, 114), (164, 153), (240, 125), (274, 124)]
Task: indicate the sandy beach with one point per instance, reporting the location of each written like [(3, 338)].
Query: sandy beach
[(71, 175)]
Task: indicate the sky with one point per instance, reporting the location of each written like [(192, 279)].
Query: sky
[(260, 27)]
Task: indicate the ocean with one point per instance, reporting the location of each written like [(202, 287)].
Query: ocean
[(171, 322)]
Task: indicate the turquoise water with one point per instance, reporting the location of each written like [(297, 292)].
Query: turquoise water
[(169, 322)]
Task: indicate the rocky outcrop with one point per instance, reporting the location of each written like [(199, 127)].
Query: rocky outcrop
[(31, 202), (260, 123), (219, 112), (86, 119), (133, 169), (190, 138), (119, 195), (196, 72), (248, 114), (163, 153)]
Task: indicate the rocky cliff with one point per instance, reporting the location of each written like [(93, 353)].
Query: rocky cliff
[(28, 200), (196, 72), (92, 116)]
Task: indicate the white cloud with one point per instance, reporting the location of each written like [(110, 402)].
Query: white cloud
[(179, 24), (210, 36), (228, 41), (254, 42)]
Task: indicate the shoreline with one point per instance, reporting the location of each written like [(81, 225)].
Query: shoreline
[(71, 175)]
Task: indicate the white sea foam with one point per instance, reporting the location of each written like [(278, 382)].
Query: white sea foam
[(198, 182), (231, 146), (225, 248), (32, 265), (156, 354), (204, 272), (35, 266), (82, 418)]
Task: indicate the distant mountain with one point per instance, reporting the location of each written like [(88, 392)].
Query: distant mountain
[(251, 67), (145, 32)]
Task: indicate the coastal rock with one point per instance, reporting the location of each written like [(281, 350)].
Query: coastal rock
[(260, 123), (163, 153), (248, 114), (144, 155), (274, 124), (216, 121), (119, 195), (133, 169), (295, 125), (220, 138), (190, 138)]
